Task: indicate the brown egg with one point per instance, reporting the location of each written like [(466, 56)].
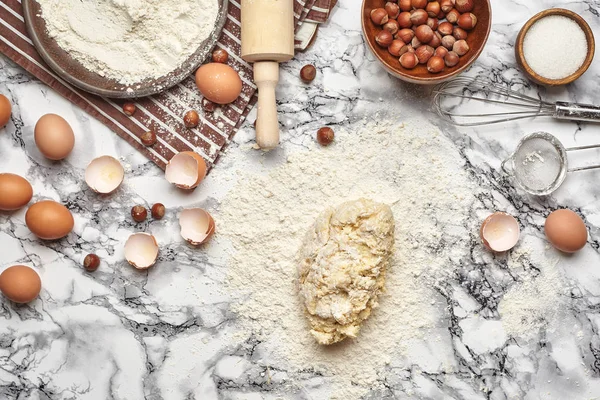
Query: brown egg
[(5, 110), (54, 137), (49, 220), (20, 284), (566, 231), (218, 83), (15, 192)]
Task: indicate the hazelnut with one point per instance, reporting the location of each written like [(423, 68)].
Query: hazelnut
[(435, 64), (433, 23), (415, 42), (308, 73), (139, 213), (464, 6), (379, 16), (191, 119), (448, 42), (391, 26), (395, 47), (325, 136), (407, 49), (409, 60), (418, 17), (467, 21), (148, 138), (220, 56), (129, 109), (393, 9), (459, 33), (406, 35), (460, 47), (208, 105), (441, 15), (405, 5), (158, 211), (384, 38), (424, 34), (446, 5), (451, 59), (436, 41), (424, 53), (433, 9), (404, 20), (441, 51), (417, 4), (452, 16), (91, 262), (445, 28)]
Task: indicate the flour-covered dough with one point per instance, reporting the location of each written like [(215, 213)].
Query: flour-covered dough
[(342, 267)]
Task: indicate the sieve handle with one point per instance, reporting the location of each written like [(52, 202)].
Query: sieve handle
[(576, 112)]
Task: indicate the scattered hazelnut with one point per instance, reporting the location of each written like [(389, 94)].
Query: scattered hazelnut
[(308, 73), (404, 20), (460, 47), (191, 119), (208, 105), (424, 34), (405, 5), (158, 211), (406, 35), (459, 33), (452, 16), (139, 213), (379, 16), (424, 53), (220, 56), (464, 6), (325, 136), (418, 17), (441, 51), (148, 138), (416, 4), (395, 47), (467, 21), (436, 41), (448, 42), (384, 38), (433, 9), (435, 64), (91, 262), (451, 59), (409, 60), (445, 28), (433, 23), (446, 5), (391, 26), (129, 109), (393, 9)]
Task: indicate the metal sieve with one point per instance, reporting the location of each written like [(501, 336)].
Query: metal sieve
[(539, 164)]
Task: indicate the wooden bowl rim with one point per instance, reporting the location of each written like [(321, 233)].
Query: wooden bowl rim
[(589, 35), (434, 79)]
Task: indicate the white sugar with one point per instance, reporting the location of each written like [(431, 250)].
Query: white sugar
[(555, 47)]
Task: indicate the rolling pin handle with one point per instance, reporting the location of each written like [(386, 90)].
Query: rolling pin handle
[(266, 77)]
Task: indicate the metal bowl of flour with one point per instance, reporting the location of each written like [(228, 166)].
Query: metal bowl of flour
[(70, 71)]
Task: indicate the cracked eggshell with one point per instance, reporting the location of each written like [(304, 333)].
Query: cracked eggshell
[(186, 170), (104, 174), (197, 226), (500, 232), (141, 250)]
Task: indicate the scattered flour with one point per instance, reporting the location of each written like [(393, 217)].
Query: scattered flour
[(413, 168), (130, 40)]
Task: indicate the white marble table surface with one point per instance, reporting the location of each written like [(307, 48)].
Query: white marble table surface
[(89, 336)]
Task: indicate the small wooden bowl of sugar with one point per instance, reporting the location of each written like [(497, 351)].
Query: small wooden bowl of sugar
[(555, 47)]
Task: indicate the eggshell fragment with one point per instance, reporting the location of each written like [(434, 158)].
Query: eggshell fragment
[(49, 220), (186, 170), (566, 231), (5, 110), (54, 137), (500, 232), (218, 82), (15, 192), (197, 226), (141, 250), (20, 284), (104, 174)]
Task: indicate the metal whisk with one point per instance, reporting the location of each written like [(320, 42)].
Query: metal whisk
[(499, 104)]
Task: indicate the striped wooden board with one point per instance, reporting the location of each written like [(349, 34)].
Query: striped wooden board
[(162, 113)]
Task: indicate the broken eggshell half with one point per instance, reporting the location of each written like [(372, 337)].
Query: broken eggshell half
[(197, 226), (104, 174), (500, 232), (186, 170), (141, 250)]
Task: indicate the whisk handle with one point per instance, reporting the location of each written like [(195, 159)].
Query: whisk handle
[(576, 112)]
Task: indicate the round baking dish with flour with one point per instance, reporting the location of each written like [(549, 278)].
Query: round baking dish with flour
[(124, 49)]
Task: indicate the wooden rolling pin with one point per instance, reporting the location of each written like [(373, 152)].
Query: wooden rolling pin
[(267, 40)]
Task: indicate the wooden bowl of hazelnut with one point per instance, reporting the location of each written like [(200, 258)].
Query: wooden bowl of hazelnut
[(426, 42)]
